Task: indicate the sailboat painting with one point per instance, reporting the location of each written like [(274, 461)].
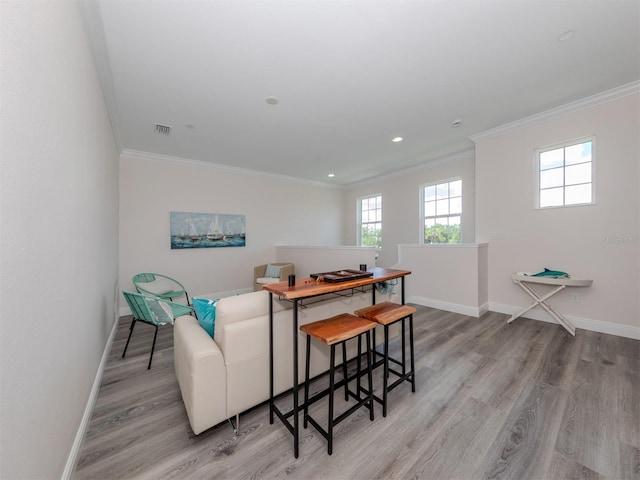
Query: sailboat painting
[(207, 230)]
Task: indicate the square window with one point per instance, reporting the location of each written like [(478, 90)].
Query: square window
[(565, 174)]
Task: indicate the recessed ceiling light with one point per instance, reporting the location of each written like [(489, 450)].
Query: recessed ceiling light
[(397, 139), (271, 100), (565, 36), (456, 123), (331, 175)]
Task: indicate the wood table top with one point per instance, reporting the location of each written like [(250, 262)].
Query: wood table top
[(310, 287)]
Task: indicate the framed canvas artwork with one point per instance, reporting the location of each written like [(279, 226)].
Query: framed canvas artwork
[(207, 230)]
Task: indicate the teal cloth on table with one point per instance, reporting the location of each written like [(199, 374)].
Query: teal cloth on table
[(205, 313), (551, 274), (387, 286)]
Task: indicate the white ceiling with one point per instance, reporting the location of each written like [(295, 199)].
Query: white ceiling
[(349, 76)]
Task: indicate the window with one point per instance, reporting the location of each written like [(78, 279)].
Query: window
[(370, 221), (441, 211), (565, 174)]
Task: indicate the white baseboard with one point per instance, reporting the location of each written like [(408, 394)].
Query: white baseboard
[(88, 411), (450, 307), (578, 322), (534, 314)]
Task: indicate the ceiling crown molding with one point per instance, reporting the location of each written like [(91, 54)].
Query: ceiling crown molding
[(597, 99), (157, 157), (467, 154)]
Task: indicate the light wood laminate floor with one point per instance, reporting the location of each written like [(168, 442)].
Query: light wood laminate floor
[(519, 401)]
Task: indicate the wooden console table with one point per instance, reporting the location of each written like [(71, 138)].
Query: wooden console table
[(306, 288), (524, 281)]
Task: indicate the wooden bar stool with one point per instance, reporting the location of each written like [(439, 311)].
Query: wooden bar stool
[(386, 314), (336, 331)]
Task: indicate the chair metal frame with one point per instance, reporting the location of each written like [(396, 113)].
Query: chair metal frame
[(150, 277), (148, 309)]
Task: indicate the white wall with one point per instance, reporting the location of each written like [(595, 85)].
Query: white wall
[(59, 237), (401, 203), (597, 241), (278, 211), (450, 277), (312, 259)]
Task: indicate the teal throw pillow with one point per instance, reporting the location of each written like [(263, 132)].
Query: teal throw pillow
[(273, 271), (205, 313)]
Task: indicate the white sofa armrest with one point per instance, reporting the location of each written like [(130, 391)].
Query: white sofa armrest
[(201, 373)]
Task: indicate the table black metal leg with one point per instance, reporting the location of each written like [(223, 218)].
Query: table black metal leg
[(296, 420), (270, 358)]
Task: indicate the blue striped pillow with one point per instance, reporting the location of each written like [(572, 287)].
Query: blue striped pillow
[(273, 271)]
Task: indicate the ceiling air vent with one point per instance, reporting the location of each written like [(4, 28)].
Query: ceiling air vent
[(164, 129)]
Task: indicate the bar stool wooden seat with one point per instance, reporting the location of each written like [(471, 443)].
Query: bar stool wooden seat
[(336, 331), (386, 314)]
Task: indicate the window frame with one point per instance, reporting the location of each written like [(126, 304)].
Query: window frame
[(536, 172), (359, 219), (421, 209)]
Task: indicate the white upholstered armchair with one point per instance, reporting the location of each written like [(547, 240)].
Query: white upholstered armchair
[(271, 273)]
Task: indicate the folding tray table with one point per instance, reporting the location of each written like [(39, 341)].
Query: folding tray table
[(525, 281)]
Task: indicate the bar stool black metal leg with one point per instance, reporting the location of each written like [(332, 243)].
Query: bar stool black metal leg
[(359, 363), (374, 344), (331, 391), (385, 379), (306, 382), (344, 371), (413, 367), (404, 360), (369, 374)]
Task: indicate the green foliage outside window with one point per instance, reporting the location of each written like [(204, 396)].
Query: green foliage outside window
[(442, 234), (371, 237)]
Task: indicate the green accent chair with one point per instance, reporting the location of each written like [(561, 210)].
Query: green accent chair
[(161, 286), (153, 311)]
